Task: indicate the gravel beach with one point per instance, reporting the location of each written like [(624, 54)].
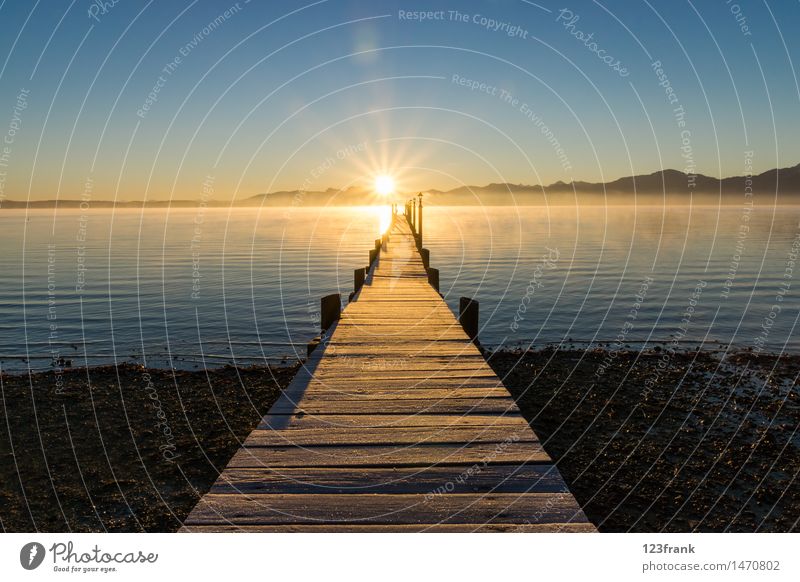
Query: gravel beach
[(122, 448), (667, 441)]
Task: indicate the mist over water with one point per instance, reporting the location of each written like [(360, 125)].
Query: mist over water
[(189, 288), (703, 275)]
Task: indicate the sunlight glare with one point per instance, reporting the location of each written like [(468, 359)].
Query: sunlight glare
[(385, 218), (384, 185)]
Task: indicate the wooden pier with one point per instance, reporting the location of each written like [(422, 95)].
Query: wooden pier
[(395, 423)]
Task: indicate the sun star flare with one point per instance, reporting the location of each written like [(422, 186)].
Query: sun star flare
[(384, 185)]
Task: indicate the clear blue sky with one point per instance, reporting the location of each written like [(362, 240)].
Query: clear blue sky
[(286, 95)]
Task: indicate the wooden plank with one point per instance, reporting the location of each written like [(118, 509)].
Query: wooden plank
[(400, 349), (431, 480), (389, 369), (462, 388), (394, 378), (355, 320), (512, 421), (362, 393), (438, 365), (394, 406), (385, 333), (381, 337), (387, 436), (417, 362), (390, 455), (386, 509)]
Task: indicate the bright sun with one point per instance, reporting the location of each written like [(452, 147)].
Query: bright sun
[(384, 185)]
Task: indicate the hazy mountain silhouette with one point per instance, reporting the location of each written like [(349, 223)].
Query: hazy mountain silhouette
[(671, 184)]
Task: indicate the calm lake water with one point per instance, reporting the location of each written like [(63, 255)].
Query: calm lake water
[(189, 288)]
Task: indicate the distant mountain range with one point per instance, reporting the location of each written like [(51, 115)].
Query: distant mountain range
[(670, 184)]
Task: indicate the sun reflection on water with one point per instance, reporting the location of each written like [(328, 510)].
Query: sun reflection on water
[(384, 217)]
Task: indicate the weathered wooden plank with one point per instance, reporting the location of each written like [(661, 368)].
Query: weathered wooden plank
[(382, 368), (394, 406), (513, 421), (397, 369), (387, 435), (509, 508), (399, 315), (387, 337), (387, 333), (439, 364), (390, 455), (367, 381), (454, 386), (394, 377), (420, 361), (354, 320), (375, 345), (323, 392), (411, 318), (354, 356), (427, 480)]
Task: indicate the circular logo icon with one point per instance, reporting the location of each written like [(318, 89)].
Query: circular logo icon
[(31, 555)]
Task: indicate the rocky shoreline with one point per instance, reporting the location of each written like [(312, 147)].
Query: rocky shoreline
[(122, 448), (708, 443)]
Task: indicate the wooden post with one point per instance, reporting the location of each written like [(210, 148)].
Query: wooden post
[(414, 215), (358, 279), (468, 317), (433, 278), (419, 222), (426, 258), (330, 309), (373, 253)]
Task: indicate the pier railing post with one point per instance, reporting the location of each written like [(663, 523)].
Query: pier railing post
[(433, 278), (419, 221), (359, 275), (313, 345), (426, 258), (373, 253), (468, 317), (330, 310)]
